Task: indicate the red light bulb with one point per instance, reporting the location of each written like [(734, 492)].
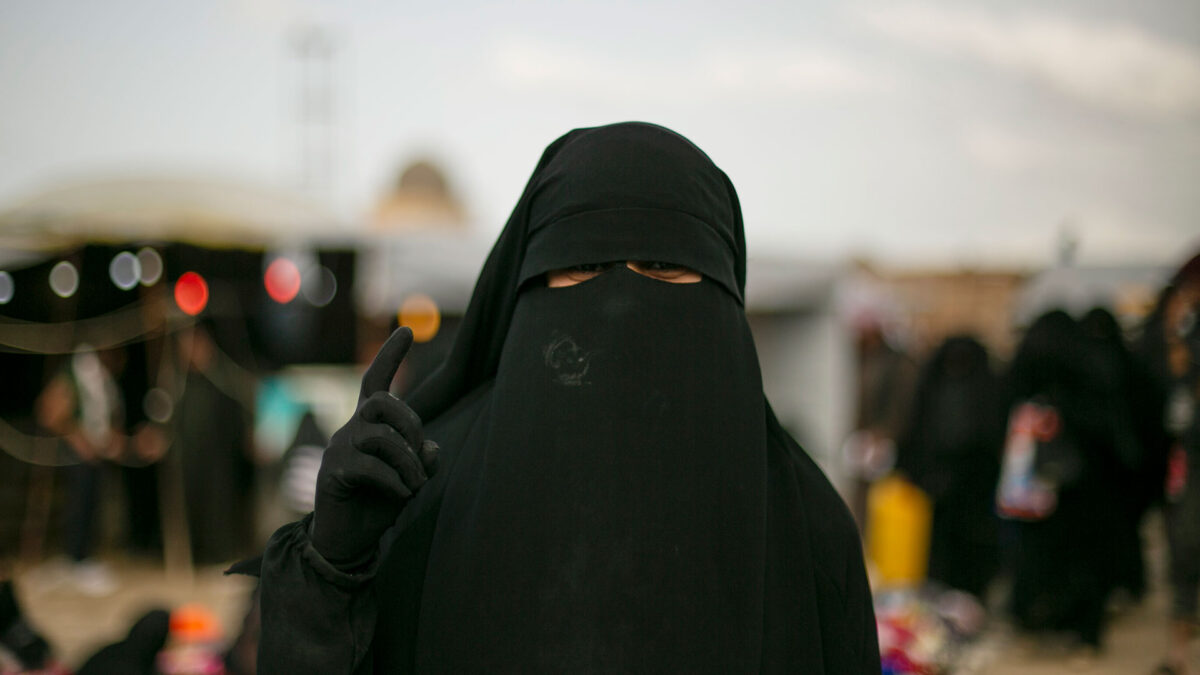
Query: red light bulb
[(282, 280), (191, 293)]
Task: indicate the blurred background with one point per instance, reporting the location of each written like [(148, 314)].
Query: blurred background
[(211, 214)]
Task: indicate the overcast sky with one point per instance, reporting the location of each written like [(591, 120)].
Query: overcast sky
[(914, 132)]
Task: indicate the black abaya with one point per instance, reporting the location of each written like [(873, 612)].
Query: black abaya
[(614, 493), (951, 449), (1063, 565)]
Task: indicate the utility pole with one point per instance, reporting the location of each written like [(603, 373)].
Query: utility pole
[(313, 49), (1068, 243)]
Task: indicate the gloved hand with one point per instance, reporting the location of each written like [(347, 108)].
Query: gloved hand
[(372, 466)]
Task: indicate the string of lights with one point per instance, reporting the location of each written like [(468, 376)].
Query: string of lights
[(203, 285)]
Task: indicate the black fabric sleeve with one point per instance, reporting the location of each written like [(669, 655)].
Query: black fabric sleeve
[(315, 619)]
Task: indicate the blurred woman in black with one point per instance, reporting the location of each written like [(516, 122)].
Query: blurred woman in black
[(1133, 405), (951, 449), (1171, 343), (1064, 562)]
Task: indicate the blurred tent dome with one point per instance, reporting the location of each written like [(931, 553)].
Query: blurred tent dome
[(421, 243), (421, 198), (199, 210)]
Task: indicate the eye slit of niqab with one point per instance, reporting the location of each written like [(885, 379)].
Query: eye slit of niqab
[(655, 269), (576, 274), (665, 271)]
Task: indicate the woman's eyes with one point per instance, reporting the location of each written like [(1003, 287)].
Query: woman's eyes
[(655, 269), (586, 271), (659, 269)]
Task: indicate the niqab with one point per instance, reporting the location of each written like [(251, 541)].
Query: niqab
[(629, 191)]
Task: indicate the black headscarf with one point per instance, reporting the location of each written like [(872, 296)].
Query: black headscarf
[(615, 494), (957, 422), (1121, 385)]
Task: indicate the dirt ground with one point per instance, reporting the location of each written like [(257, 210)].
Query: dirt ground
[(77, 624), (1135, 642)]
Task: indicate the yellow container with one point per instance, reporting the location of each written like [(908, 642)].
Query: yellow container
[(898, 522)]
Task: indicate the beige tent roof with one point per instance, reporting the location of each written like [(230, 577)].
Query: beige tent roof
[(204, 210)]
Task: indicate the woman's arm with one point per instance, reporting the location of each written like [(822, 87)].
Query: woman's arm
[(315, 618)]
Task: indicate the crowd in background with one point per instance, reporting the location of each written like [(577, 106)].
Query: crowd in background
[(1040, 472)]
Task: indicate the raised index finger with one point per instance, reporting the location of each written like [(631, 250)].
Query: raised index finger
[(381, 371)]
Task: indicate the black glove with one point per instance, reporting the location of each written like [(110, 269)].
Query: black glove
[(372, 466)]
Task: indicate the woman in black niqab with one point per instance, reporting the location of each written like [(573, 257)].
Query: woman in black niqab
[(951, 448), (614, 493), (1063, 570), (1132, 409)]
